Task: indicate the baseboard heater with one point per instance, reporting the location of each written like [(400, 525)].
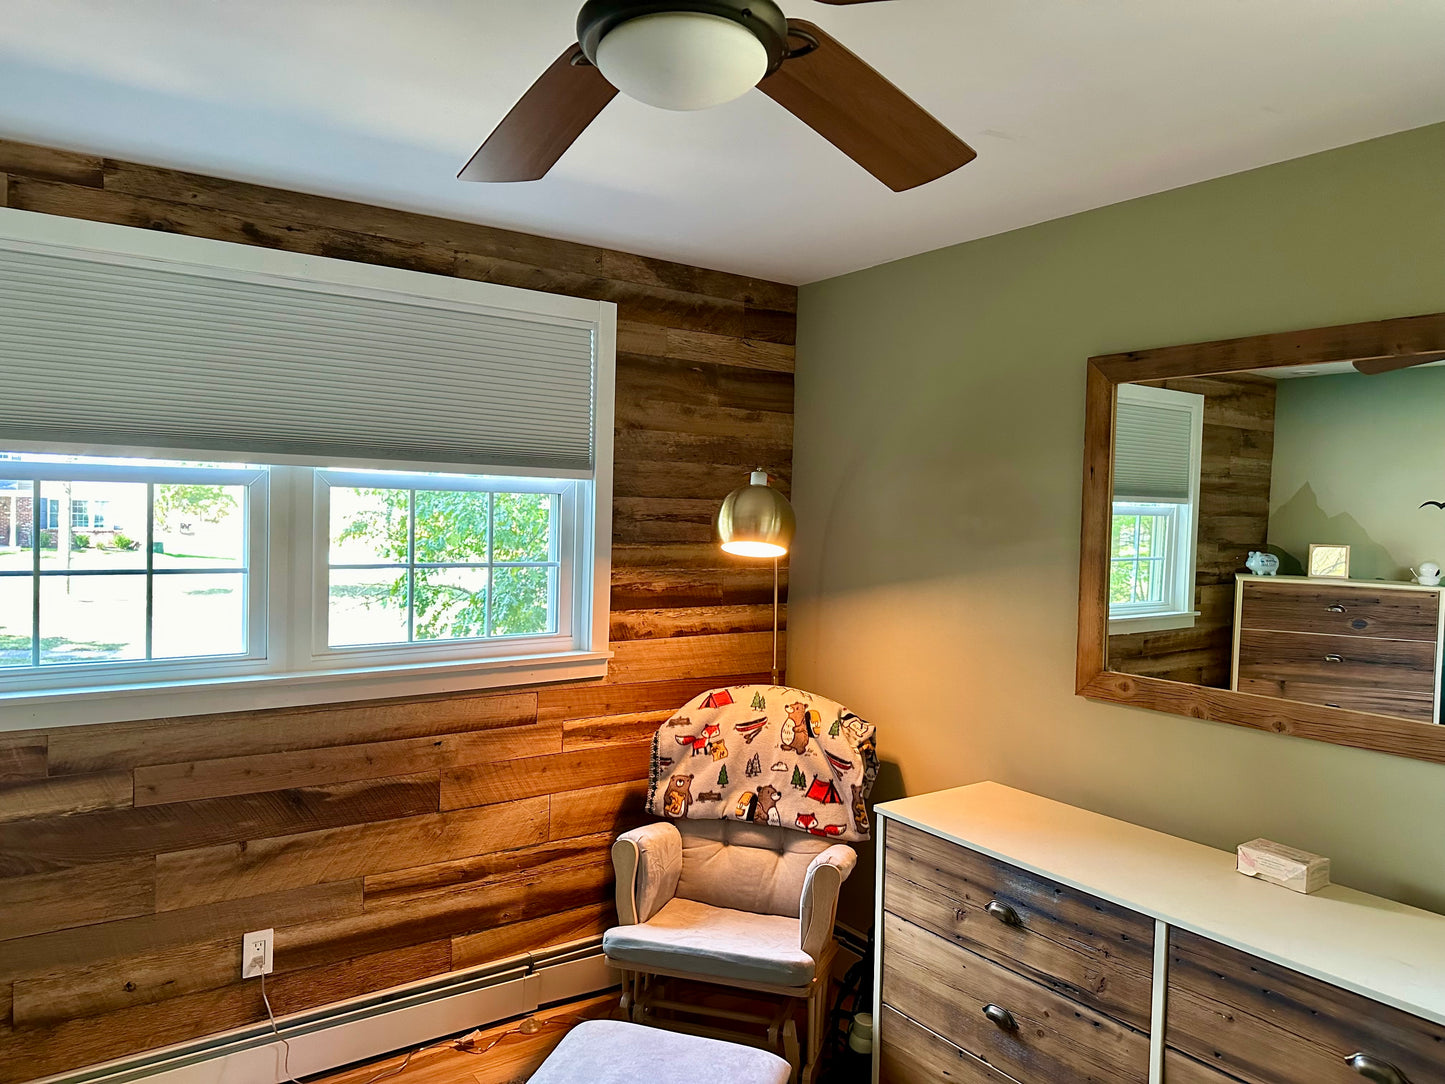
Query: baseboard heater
[(400, 1018)]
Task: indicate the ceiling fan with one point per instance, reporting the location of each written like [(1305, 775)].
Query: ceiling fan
[(1391, 363), (693, 54)]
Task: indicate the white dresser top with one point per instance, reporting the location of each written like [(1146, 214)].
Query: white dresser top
[(1384, 950)]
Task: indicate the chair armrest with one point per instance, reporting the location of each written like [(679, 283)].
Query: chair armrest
[(819, 907), (648, 862)]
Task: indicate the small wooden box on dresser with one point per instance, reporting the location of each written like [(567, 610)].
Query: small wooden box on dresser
[(1022, 940)]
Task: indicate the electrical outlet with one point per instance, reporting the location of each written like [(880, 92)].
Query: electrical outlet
[(256, 949)]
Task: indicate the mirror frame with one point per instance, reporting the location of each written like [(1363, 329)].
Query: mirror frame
[(1404, 337)]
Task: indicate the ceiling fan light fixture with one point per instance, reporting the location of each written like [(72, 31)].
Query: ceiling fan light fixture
[(682, 60)]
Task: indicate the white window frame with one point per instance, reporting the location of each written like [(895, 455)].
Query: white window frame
[(1176, 610), (293, 671)]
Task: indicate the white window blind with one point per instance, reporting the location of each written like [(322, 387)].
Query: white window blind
[(141, 353), (1155, 444)]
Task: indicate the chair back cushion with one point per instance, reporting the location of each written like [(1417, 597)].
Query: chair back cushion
[(747, 867)]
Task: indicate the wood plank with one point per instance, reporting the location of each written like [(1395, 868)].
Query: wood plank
[(87, 945), (22, 756), (679, 344), (55, 901), (597, 701), (67, 795), (49, 844), (444, 876), (52, 197), (1343, 342), (173, 741), (647, 589), (677, 478), (518, 938), (642, 379), (260, 202), (612, 729), (478, 784), (256, 867), (134, 979), (4, 190), (29, 160), (730, 653), (158, 784), (694, 621), (945, 987), (292, 991), (471, 908), (610, 810)]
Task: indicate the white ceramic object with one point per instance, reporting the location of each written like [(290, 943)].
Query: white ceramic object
[(1428, 574)]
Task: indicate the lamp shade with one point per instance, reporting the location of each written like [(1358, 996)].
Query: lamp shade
[(756, 520), (682, 59)]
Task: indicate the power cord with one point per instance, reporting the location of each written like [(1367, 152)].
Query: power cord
[(529, 1026)]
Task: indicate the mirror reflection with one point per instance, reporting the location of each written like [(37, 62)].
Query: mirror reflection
[(1280, 532)]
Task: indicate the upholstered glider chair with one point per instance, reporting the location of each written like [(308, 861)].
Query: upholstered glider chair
[(739, 887)]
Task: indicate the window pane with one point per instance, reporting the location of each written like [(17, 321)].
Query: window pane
[(121, 545), (521, 601), (92, 618), (16, 620), (523, 525), (200, 526), (368, 606), (451, 603), (451, 528), (369, 526), (1121, 581), (198, 616)]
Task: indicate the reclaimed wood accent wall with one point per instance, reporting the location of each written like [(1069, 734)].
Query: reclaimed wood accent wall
[(393, 840), (1236, 461)]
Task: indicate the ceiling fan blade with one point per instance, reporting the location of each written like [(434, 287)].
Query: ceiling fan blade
[(843, 99), (556, 109), (1376, 366)]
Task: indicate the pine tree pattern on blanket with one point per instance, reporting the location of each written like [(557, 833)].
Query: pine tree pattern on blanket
[(766, 754)]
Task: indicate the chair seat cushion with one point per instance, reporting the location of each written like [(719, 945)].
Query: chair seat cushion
[(614, 1052), (715, 942)]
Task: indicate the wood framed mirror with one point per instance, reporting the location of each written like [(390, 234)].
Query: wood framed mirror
[(1209, 471)]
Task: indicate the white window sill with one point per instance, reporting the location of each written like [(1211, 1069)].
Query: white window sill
[(1152, 622), (30, 709)]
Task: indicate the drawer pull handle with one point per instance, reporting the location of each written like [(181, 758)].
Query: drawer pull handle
[(1335, 609), (1005, 1021), (1381, 1072), (1332, 657), (1004, 913)]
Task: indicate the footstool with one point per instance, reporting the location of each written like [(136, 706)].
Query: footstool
[(617, 1052)]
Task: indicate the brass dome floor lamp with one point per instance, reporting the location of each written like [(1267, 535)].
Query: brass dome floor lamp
[(756, 520)]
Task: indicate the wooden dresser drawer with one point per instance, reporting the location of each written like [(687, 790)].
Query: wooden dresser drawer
[(1396, 677), (911, 1054), (1082, 946), (1340, 611), (1044, 1038), (1268, 1025), (1179, 1069)]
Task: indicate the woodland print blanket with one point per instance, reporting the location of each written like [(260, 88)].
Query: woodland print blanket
[(767, 754)]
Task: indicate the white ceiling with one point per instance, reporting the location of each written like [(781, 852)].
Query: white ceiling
[(1071, 104)]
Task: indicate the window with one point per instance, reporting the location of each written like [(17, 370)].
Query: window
[(295, 480), (1157, 447), (179, 588)]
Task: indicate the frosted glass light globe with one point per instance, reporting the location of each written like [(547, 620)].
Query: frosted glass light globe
[(682, 59)]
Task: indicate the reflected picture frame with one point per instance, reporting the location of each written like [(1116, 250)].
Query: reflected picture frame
[(1328, 561)]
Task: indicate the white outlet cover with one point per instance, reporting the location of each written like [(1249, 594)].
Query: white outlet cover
[(258, 943)]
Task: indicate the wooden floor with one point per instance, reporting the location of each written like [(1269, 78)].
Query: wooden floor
[(506, 1054)]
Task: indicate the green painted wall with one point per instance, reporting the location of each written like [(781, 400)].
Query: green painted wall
[(937, 472), (1354, 457)]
